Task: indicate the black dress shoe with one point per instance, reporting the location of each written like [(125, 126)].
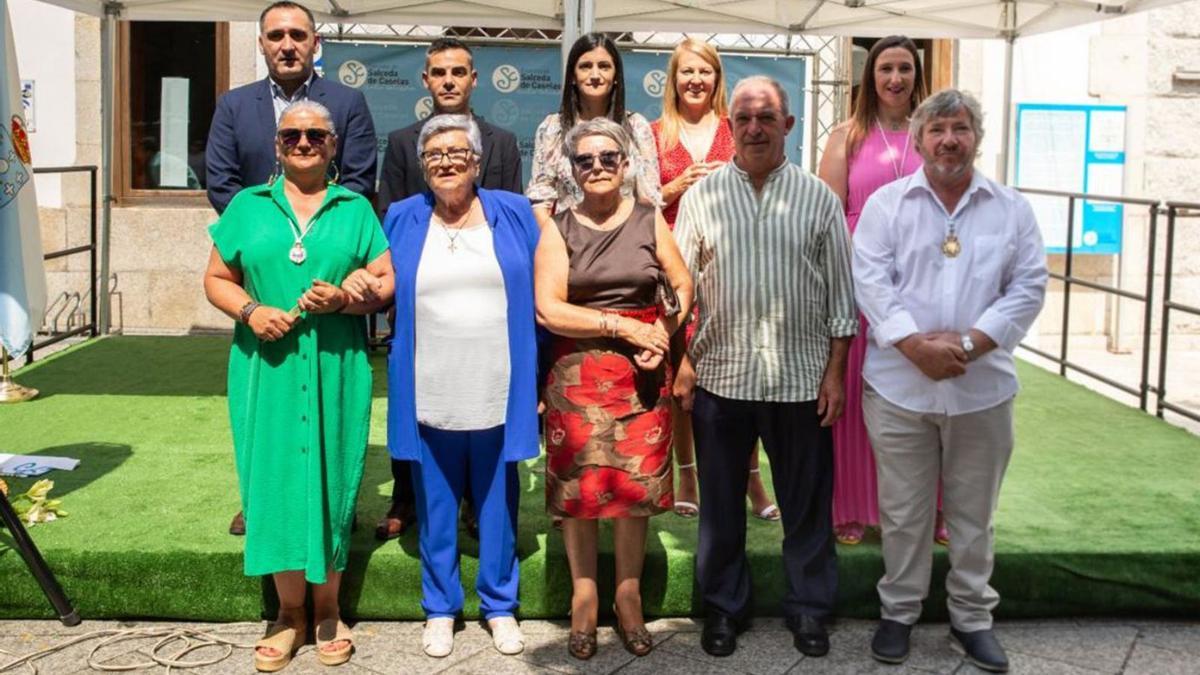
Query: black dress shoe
[(808, 635), (981, 648), (720, 634), (238, 526), (890, 644)]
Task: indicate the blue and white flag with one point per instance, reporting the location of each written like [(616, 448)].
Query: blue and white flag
[(22, 274)]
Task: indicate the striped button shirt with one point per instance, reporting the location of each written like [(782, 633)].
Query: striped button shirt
[(773, 282)]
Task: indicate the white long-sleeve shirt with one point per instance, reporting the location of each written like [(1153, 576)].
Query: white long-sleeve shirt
[(904, 284)]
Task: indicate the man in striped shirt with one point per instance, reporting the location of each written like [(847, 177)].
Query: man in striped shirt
[(766, 242)]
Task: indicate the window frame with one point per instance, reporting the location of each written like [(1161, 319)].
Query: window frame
[(123, 192)]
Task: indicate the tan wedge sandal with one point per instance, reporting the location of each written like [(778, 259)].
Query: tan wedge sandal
[(328, 632), (285, 640)]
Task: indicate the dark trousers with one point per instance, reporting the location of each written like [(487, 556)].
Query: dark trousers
[(801, 455), (403, 498)]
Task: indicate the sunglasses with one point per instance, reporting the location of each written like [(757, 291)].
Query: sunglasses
[(316, 137), (610, 160)]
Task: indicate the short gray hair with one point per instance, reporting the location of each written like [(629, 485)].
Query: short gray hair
[(597, 126), (309, 106), (946, 103), (440, 124), (764, 81)]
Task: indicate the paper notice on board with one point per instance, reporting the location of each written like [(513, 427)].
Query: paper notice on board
[(173, 134), (1107, 132), (1106, 179), (1051, 152)]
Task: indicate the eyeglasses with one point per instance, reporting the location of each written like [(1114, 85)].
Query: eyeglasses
[(610, 160), (455, 155), (316, 137)]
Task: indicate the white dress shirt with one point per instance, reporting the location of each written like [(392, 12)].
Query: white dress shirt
[(904, 284), (461, 329), (280, 101)]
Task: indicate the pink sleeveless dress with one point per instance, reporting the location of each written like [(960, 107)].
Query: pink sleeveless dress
[(855, 499)]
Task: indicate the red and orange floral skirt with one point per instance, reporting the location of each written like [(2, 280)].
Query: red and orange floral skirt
[(608, 430)]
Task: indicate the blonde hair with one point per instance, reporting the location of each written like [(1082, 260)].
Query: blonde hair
[(670, 120)]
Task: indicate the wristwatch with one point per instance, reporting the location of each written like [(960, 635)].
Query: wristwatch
[(968, 346)]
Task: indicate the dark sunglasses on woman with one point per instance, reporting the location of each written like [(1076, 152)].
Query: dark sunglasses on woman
[(316, 137), (609, 161)]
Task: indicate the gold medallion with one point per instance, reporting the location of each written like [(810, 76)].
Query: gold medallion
[(950, 247)]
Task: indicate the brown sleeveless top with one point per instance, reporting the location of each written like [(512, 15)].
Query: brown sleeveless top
[(615, 269)]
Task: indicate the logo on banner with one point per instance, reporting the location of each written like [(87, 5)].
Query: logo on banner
[(352, 74), (505, 112), (506, 79), (654, 83), (424, 107), (14, 156)]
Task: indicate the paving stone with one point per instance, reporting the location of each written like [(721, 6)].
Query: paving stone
[(1024, 664), (662, 662), (1180, 637), (495, 663), (1150, 660), (839, 662), (929, 646), (759, 651), (1095, 646)]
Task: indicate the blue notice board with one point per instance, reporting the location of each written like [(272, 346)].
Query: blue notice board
[(1073, 148), (519, 86)]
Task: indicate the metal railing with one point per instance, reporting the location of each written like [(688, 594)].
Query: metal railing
[(54, 335), (1144, 388)]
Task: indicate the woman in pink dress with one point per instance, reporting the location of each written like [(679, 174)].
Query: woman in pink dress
[(864, 153), (693, 138)]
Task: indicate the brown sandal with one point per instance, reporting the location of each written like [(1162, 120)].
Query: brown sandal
[(328, 632), (582, 645), (395, 524), (282, 638), (638, 642)]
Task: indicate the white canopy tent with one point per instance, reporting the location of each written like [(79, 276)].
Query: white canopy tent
[(998, 19)]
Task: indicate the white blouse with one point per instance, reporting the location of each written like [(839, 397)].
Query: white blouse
[(461, 330)]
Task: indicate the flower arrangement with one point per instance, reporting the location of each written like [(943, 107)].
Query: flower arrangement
[(34, 507)]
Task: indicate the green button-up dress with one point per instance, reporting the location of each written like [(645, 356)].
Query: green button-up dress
[(299, 407)]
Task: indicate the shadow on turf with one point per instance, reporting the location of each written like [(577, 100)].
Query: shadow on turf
[(96, 460), (135, 366)]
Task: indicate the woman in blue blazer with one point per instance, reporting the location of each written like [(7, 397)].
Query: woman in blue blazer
[(462, 373)]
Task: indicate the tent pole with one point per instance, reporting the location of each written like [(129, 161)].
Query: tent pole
[(570, 31), (1006, 118), (107, 43)]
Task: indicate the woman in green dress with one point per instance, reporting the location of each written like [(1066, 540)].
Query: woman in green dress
[(297, 262)]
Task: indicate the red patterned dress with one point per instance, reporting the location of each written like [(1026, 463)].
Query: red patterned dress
[(608, 423), (673, 162)]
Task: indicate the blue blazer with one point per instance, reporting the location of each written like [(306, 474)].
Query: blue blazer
[(515, 236), (241, 140)]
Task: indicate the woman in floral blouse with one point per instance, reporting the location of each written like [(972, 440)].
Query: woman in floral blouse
[(595, 87)]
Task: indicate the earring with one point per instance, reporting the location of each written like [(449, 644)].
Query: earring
[(337, 174), (275, 173)]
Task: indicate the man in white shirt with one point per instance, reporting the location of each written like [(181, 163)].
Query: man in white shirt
[(950, 271)]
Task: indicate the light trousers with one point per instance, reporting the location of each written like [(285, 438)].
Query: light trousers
[(970, 453)]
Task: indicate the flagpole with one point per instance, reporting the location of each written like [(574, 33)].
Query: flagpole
[(11, 392)]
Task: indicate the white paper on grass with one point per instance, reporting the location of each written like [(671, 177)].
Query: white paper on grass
[(173, 133), (24, 466)]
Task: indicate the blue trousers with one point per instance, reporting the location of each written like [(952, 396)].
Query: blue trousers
[(438, 481)]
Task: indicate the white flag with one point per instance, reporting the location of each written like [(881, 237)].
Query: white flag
[(22, 274)]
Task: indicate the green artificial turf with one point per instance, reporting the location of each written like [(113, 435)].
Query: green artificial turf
[(1099, 513)]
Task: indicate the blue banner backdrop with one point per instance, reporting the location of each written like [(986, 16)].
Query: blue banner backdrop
[(519, 86)]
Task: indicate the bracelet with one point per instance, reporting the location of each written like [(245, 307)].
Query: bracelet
[(246, 311)]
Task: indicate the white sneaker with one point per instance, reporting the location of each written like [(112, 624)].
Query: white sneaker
[(506, 635), (438, 637)]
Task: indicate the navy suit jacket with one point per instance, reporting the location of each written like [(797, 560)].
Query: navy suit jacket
[(241, 141), (402, 177)]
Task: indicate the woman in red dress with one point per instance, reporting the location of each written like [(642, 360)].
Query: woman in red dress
[(599, 273), (693, 138)]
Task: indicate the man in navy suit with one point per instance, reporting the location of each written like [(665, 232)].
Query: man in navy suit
[(241, 141), (450, 77)]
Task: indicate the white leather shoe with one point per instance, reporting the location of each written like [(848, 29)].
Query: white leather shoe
[(506, 635), (438, 637)]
